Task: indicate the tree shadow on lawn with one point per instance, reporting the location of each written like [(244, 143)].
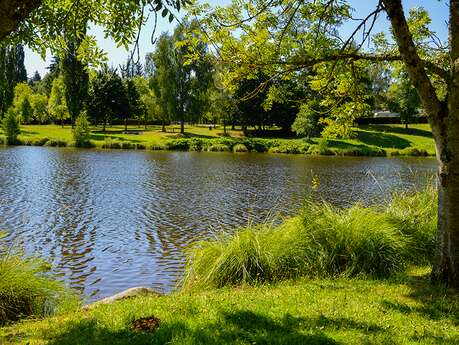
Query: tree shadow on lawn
[(101, 137), (399, 130), (436, 302), (241, 326), (382, 139)]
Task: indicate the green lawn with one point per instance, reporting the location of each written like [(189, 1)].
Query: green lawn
[(403, 310), (393, 139)]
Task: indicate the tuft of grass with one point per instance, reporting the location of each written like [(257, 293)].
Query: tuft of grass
[(218, 148), (28, 290), (323, 241), (240, 148), (177, 144), (415, 216), (290, 147), (56, 143)]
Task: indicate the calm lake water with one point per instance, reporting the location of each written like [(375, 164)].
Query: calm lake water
[(110, 220)]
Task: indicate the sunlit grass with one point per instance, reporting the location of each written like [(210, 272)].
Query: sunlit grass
[(403, 310), (375, 140)]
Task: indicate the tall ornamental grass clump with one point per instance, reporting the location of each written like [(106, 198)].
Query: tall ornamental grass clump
[(415, 216), (28, 290), (323, 241)]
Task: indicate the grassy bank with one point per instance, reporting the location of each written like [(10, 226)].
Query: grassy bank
[(402, 310), (381, 140), (327, 276)]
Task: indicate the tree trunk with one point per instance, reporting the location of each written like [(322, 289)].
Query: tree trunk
[(125, 124), (182, 126), (163, 129), (446, 133), (446, 262)]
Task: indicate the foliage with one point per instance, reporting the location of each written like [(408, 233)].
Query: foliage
[(10, 126), (322, 241), (107, 96), (57, 104), (181, 83), (12, 72), (39, 104), (307, 121), (403, 97), (22, 102), (27, 289), (75, 76), (81, 132)]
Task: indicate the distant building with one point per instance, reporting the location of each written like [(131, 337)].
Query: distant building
[(378, 114)]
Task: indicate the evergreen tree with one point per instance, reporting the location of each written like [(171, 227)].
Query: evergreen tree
[(12, 72), (76, 80), (11, 127)]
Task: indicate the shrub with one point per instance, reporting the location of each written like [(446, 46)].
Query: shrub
[(258, 145), (81, 132), (218, 148), (140, 146), (177, 144), (195, 144), (156, 147), (11, 127), (126, 145), (111, 144), (27, 289), (290, 147), (40, 141), (240, 148), (56, 143), (321, 148), (361, 151)]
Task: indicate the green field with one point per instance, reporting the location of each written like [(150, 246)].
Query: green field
[(376, 140), (403, 310)]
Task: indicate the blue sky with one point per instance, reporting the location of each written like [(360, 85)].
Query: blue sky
[(438, 11)]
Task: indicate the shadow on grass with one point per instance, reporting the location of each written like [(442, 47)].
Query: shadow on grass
[(435, 301), (400, 130), (382, 139), (241, 326), (101, 137)]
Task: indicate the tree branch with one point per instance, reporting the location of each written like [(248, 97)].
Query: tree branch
[(414, 64), (13, 12)]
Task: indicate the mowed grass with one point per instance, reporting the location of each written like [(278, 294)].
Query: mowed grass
[(152, 134), (405, 309), (369, 140)]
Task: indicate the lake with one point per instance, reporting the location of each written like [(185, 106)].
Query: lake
[(110, 220)]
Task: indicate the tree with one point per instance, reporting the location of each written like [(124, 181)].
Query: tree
[(40, 23), (12, 72), (39, 104), (75, 76), (21, 102), (403, 98), (10, 126), (81, 132), (182, 83), (107, 97), (57, 105), (134, 107), (303, 34)]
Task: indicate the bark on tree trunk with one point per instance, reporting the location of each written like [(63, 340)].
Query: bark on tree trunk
[(182, 126), (446, 261)]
